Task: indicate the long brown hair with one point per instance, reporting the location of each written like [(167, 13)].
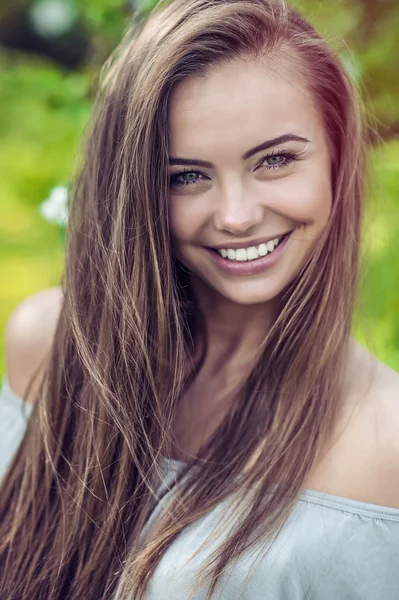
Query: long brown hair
[(82, 484)]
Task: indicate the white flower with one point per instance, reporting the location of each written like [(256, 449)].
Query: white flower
[(54, 209), (52, 18)]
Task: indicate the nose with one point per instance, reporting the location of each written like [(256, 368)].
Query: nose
[(236, 212)]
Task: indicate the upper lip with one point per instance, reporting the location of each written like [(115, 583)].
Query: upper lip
[(235, 245)]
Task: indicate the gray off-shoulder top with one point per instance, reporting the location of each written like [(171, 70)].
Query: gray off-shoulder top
[(331, 548)]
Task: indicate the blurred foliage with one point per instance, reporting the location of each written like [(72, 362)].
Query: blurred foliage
[(44, 108)]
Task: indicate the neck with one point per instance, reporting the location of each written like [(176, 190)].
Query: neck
[(234, 332)]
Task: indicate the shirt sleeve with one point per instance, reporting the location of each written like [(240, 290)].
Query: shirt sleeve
[(14, 417)]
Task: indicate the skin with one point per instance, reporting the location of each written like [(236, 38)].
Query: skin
[(236, 107)]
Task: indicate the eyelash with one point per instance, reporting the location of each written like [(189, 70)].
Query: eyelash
[(289, 156)]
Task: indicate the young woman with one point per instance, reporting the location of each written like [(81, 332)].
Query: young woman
[(205, 426)]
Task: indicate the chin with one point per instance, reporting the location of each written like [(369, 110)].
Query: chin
[(244, 293), (250, 299)]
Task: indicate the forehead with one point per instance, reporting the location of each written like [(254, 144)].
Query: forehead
[(239, 103)]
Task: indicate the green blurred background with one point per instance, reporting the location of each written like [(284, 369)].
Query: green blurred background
[(51, 52)]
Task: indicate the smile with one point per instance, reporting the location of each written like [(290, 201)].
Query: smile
[(249, 261), (252, 253)]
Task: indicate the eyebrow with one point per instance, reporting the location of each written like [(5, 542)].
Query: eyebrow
[(281, 139)]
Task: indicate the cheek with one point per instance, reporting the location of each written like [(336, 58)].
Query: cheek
[(186, 217), (304, 199)]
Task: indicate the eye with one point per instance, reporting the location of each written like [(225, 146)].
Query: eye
[(278, 159), (185, 177), (275, 160)]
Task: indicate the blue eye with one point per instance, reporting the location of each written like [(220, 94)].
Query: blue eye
[(278, 159), (177, 178)]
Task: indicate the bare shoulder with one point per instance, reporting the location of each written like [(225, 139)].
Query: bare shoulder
[(29, 333), (386, 411), (380, 432), (362, 459)]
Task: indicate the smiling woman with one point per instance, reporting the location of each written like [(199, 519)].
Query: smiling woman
[(205, 424)]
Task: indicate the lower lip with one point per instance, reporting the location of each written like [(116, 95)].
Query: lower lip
[(252, 267)]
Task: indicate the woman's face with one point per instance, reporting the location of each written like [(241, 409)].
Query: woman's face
[(234, 194)]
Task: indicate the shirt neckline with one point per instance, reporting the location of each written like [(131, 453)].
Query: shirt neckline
[(315, 497)]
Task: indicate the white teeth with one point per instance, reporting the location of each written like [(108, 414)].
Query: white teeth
[(262, 249), (252, 253), (241, 254)]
